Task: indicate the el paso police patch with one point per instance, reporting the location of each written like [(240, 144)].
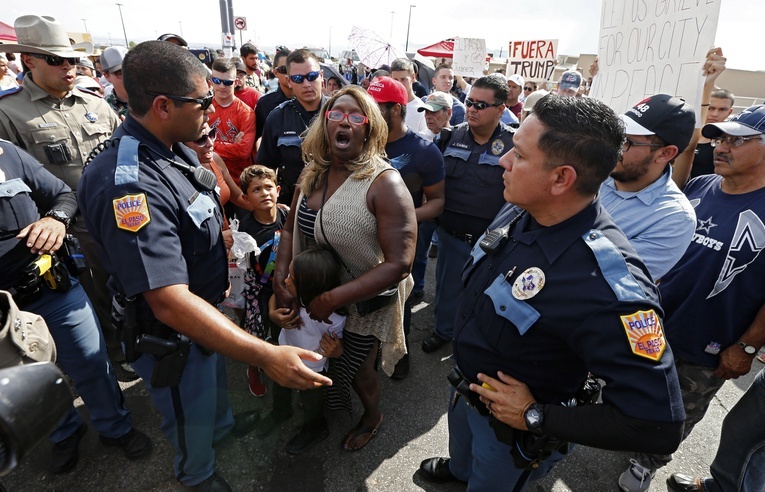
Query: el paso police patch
[(645, 334), (131, 212)]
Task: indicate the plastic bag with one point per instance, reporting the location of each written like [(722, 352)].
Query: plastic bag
[(237, 265)]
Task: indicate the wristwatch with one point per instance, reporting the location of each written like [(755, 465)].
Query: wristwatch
[(60, 216), (534, 417), (749, 349)]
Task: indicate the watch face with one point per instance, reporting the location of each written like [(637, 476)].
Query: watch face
[(532, 417), (749, 349)]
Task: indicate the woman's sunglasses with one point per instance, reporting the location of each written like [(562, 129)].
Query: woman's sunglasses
[(203, 139)]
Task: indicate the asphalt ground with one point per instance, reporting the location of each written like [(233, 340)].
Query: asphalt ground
[(414, 428)]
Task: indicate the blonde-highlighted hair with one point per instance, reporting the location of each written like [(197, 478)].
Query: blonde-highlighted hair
[(316, 146)]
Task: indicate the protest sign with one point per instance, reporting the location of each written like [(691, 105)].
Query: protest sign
[(533, 60), (469, 57), (652, 47)]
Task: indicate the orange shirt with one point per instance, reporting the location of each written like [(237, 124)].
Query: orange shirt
[(227, 123)]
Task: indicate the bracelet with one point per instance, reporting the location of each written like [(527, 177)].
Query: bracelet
[(707, 104)]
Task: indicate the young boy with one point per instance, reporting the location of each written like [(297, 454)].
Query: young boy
[(264, 224)]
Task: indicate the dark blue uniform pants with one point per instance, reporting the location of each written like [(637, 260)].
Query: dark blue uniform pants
[(452, 255), (196, 414), (478, 458), (82, 355)]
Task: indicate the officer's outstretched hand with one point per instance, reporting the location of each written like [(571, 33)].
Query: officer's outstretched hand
[(285, 366), (506, 398), (44, 236)]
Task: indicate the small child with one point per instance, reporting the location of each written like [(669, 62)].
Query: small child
[(264, 224), (312, 272)]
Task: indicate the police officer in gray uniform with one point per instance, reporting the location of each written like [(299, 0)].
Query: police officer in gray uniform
[(156, 216), (59, 125), (553, 292), (473, 193)]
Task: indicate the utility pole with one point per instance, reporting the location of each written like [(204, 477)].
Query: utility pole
[(408, 25), (119, 5)]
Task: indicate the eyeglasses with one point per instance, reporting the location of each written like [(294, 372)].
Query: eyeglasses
[(733, 142), (203, 139), (56, 61), (311, 76), (629, 143), (479, 105), (227, 83), (204, 103), (117, 74), (355, 119), (528, 89), (282, 70)]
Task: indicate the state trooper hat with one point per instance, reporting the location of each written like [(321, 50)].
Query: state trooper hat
[(43, 35)]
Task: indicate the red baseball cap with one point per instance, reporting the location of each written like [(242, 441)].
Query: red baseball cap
[(385, 90)]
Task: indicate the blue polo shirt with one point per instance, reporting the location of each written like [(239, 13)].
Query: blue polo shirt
[(658, 220)]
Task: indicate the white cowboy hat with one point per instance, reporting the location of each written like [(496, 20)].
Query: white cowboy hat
[(43, 35)]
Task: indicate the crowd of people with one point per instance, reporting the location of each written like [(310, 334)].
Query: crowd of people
[(606, 262)]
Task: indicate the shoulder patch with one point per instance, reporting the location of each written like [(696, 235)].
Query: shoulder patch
[(131, 212), (126, 170), (645, 334), (614, 267), (12, 90)]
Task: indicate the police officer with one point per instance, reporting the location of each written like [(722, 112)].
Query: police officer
[(157, 219), (59, 125), (553, 292), (282, 135), (473, 194), (26, 191)]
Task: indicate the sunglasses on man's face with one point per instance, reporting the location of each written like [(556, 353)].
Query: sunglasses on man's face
[(282, 70), (310, 76), (479, 105), (227, 83), (56, 61), (204, 102), (528, 89)]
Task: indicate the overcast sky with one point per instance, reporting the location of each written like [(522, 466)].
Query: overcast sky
[(297, 23)]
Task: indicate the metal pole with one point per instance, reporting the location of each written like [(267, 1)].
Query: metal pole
[(180, 26), (119, 5), (330, 43), (408, 24), (390, 38), (85, 24)]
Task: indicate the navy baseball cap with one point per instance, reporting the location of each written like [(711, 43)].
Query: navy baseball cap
[(667, 117), (750, 121)]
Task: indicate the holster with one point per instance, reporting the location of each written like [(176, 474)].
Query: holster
[(172, 355), (530, 450), (462, 386)]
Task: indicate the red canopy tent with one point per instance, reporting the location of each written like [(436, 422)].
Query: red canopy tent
[(441, 49), (7, 33)]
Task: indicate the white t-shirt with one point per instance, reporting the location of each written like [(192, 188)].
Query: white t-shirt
[(414, 119), (309, 336)]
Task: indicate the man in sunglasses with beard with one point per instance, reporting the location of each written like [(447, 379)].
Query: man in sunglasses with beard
[(473, 193), (59, 125), (284, 128)]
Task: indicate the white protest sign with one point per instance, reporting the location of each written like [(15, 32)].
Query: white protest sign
[(469, 57), (652, 47), (533, 60)]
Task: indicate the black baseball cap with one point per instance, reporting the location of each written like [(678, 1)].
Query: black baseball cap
[(669, 118)]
